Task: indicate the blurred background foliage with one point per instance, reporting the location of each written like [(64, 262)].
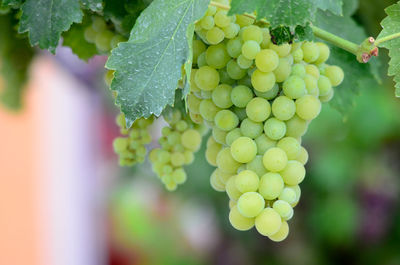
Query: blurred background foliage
[(349, 211)]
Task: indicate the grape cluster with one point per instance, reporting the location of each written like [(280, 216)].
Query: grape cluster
[(178, 143), (131, 148), (101, 35), (258, 98)]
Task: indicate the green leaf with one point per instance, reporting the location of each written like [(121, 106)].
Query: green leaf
[(349, 7), (303, 33), (74, 38), (149, 65), (94, 5), (357, 75), (278, 12), (335, 6), (12, 3), (45, 20), (281, 34), (15, 58), (391, 25)]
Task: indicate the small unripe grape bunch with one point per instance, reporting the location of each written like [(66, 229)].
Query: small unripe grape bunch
[(178, 143), (131, 148), (102, 35), (258, 99)]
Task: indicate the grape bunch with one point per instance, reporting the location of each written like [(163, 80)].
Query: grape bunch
[(178, 143), (258, 98), (101, 35), (131, 148)]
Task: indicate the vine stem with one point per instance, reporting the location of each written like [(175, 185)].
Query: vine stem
[(387, 38), (336, 40)]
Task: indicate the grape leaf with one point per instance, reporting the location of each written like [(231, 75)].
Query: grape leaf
[(356, 74), (391, 25), (15, 57), (349, 7), (149, 65), (45, 20), (94, 5), (11, 3), (335, 6), (74, 38)]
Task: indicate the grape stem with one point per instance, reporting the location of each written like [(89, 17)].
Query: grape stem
[(363, 51)]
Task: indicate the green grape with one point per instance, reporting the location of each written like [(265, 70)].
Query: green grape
[(232, 136), (116, 40), (181, 125), (198, 48), (310, 51), (177, 159), (174, 138), (241, 95), (207, 78), (103, 40), (216, 183), (247, 181), (264, 143), (238, 221), (219, 135), (226, 120), (294, 87), (196, 118), (271, 186), (324, 86), (297, 55), (311, 85), (221, 19), (99, 24), (308, 107), (179, 176), (266, 38), (207, 22), (231, 31), (250, 49), (217, 56), (120, 144), (288, 194), (268, 222), (231, 190), (221, 96), (257, 166), (275, 129), (171, 186), (283, 70), (270, 94), (335, 74), (226, 162), (215, 35), (234, 47), (193, 87), (281, 234), (284, 209), (223, 176), (302, 156), (258, 109), (282, 50), (297, 192), (243, 62), (251, 128), (267, 60), (328, 97), (212, 152), (293, 173), (234, 70), (275, 159), (244, 21), (324, 53), (211, 10), (201, 60), (250, 204), (262, 81), (163, 156), (252, 32), (296, 127), (291, 146), (240, 112), (189, 157), (193, 103), (191, 139), (208, 110), (299, 70), (283, 108), (312, 70), (243, 149), (225, 78), (90, 34)]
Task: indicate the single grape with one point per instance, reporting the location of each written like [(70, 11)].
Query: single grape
[(212, 152), (207, 22), (282, 50), (256, 165), (219, 135), (328, 97), (250, 204), (299, 70), (193, 103), (217, 56), (90, 34), (221, 96), (324, 53), (310, 51), (283, 108), (207, 78), (267, 60), (335, 74), (241, 95), (252, 32), (250, 49), (247, 181), (201, 60), (243, 149), (216, 183), (208, 110), (264, 143), (231, 30), (215, 35), (271, 185), (231, 190), (232, 136), (283, 70), (268, 222), (179, 176), (234, 70), (177, 159), (251, 128), (226, 162), (302, 157), (191, 139), (294, 87), (293, 173), (103, 40), (296, 127), (324, 85), (284, 209), (226, 120), (221, 19), (275, 129), (262, 81), (99, 24), (297, 55), (275, 159), (291, 146), (243, 62), (308, 107), (234, 47), (288, 194), (258, 109), (238, 221), (281, 234), (311, 85), (270, 94)]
